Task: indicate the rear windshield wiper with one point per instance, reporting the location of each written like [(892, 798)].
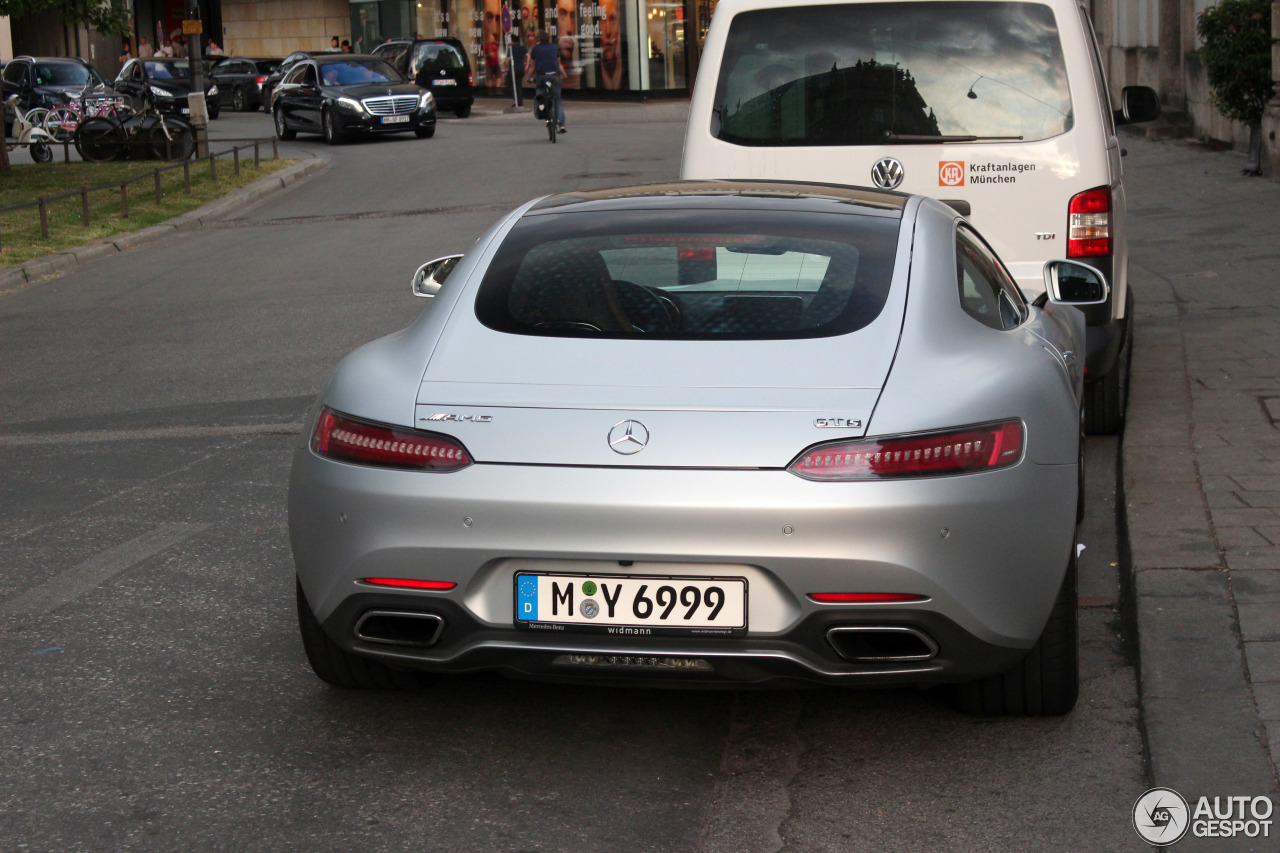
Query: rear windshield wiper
[(890, 136)]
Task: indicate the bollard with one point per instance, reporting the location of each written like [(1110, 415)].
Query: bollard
[(275, 149), (124, 200), (213, 166), (84, 205), (235, 159), (44, 219), (255, 154), (186, 176), (158, 198), (66, 152)]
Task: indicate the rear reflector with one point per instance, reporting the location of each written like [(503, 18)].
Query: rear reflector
[(410, 583), (865, 597), (964, 451), (1089, 224), (339, 437)]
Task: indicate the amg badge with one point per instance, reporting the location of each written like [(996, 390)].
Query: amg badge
[(445, 416)]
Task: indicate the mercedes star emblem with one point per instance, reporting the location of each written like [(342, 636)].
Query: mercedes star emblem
[(887, 174), (628, 437)]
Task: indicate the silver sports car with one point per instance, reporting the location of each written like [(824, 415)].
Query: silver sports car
[(703, 432)]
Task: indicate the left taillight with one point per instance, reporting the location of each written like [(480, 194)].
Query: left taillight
[(1089, 224), (340, 437), (962, 451)]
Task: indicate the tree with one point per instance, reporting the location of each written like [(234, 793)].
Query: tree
[(1237, 60), (110, 17)]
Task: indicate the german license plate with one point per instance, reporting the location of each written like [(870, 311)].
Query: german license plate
[(186, 111), (631, 605), (394, 119), (444, 82)]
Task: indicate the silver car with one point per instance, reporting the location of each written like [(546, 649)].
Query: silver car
[(702, 432)]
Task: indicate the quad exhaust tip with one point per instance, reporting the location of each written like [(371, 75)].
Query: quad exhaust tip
[(882, 644), (399, 628)]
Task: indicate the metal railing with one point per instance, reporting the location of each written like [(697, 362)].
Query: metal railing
[(42, 204)]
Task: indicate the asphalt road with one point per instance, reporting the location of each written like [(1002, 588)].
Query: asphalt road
[(156, 696)]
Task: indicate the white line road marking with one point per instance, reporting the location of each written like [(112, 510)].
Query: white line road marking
[(97, 570), (97, 436)]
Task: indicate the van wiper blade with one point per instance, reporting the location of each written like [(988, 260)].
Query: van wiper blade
[(913, 138)]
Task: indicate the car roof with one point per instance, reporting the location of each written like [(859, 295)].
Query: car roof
[(331, 58), (725, 193), (53, 59)]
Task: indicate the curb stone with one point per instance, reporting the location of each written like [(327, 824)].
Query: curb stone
[(60, 262)]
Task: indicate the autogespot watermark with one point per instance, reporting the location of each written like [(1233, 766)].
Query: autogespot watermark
[(1162, 816)]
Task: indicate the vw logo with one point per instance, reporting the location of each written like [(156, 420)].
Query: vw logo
[(628, 437), (887, 174)]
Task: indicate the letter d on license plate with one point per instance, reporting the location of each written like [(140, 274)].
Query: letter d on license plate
[(631, 605)]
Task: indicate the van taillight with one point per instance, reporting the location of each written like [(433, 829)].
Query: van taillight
[(471, 80), (961, 451), (339, 437), (1089, 224)]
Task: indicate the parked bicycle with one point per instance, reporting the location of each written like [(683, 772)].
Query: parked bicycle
[(146, 135), (61, 121)]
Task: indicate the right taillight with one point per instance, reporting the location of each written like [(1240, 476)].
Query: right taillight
[(342, 438), (962, 451), (1089, 224)]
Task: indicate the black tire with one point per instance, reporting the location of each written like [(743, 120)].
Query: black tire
[(1103, 412), (425, 132), (239, 102), (178, 144), (551, 130), (463, 112), (99, 139), (214, 110), (1047, 681), (329, 127), (40, 152), (335, 666), (282, 132)]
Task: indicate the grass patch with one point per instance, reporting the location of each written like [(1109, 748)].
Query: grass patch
[(20, 238)]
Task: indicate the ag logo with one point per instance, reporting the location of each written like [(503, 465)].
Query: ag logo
[(1161, 816), (951, 173)]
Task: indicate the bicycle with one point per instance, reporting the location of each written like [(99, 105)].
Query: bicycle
[(62, 121), (544, 105), (148, 134)]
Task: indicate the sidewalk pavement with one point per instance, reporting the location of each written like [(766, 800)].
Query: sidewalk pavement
[(1201, 471)]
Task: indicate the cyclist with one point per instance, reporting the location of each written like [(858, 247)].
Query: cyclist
[(546, 65)]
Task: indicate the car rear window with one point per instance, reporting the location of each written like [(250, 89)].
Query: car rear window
[(690, 275), (435, 57), (865, 73)]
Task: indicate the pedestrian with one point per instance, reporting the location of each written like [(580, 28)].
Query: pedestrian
[(213, 49), (145, 50), (127, 54), (549, 69), (346, 46), (333, 45), (516, 61)]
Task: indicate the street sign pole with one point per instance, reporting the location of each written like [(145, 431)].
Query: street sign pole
[(192, 28), (506, 34)]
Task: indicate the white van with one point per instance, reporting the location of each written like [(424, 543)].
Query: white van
[(997, 107)]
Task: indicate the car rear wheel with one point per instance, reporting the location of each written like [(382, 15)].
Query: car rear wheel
[(335, 666), (1046, 682), (282, 131)]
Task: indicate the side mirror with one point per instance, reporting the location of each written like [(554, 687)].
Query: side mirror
[(1073, 283), (1137, 104), (427, 280)]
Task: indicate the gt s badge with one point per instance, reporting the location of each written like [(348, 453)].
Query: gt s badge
[(838, 423), (474, 419)]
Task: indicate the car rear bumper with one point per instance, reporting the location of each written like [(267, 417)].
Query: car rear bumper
[(987, 552)]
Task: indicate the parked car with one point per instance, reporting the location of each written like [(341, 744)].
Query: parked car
[(164, 82), (697, 432), (274, 78), (1000, 107), (240, 81), (45, 82), (438, 65), (341, 95)]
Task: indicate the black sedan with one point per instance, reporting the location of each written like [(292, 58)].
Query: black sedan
[(166, 83), (274, 78), (343, 95), (240, 81)]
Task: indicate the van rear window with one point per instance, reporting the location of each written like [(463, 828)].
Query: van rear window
[(879, 73), (690, 275)]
